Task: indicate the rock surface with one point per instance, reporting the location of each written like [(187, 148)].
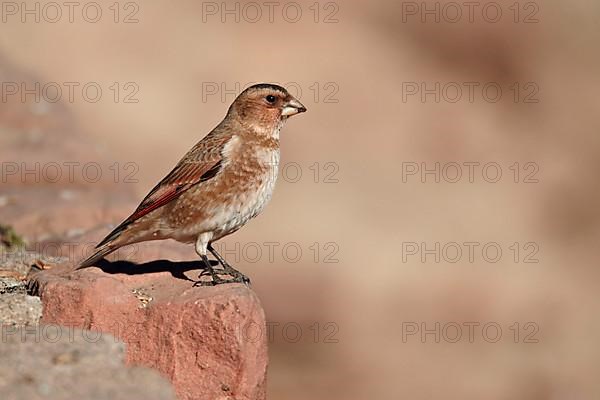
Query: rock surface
[(56, 362), (208, 340), (17, 308), (53, 362)]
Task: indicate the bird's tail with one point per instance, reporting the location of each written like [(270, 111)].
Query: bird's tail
[(105, 247), (100, 253)]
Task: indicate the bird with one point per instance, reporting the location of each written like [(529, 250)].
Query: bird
[(224, 181)]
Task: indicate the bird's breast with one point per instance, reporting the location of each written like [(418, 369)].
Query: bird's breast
[(240, 191), (255, 188)]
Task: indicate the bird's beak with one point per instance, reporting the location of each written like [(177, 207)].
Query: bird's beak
[(292, 107)]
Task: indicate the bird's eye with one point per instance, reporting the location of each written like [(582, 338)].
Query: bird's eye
[(271, 99)]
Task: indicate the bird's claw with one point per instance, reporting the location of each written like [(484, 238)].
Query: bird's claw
[(241, 278), (236, 275)]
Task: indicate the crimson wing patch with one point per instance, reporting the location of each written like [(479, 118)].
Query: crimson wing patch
[(183, 177)]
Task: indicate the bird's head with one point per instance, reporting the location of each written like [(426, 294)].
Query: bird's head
[(265, 106)]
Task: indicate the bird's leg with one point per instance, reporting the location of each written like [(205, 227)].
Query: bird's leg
[(201, 244), (215, 278), (229, 270)]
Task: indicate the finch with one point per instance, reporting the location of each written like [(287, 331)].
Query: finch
[(225, 180)]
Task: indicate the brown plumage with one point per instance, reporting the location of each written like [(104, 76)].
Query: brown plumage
[(223, 181)]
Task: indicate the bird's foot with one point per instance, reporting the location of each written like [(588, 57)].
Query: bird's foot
[(236, 276), (215, 279)]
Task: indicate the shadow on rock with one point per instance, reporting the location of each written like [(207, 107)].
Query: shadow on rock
[(176, 268)]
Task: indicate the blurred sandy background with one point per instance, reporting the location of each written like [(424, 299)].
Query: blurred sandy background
[(359, 210)]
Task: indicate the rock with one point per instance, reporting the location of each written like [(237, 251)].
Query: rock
[(17, 308), (207, 340), (54, 362)]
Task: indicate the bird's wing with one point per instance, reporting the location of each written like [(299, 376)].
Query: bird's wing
[(200, 164)]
